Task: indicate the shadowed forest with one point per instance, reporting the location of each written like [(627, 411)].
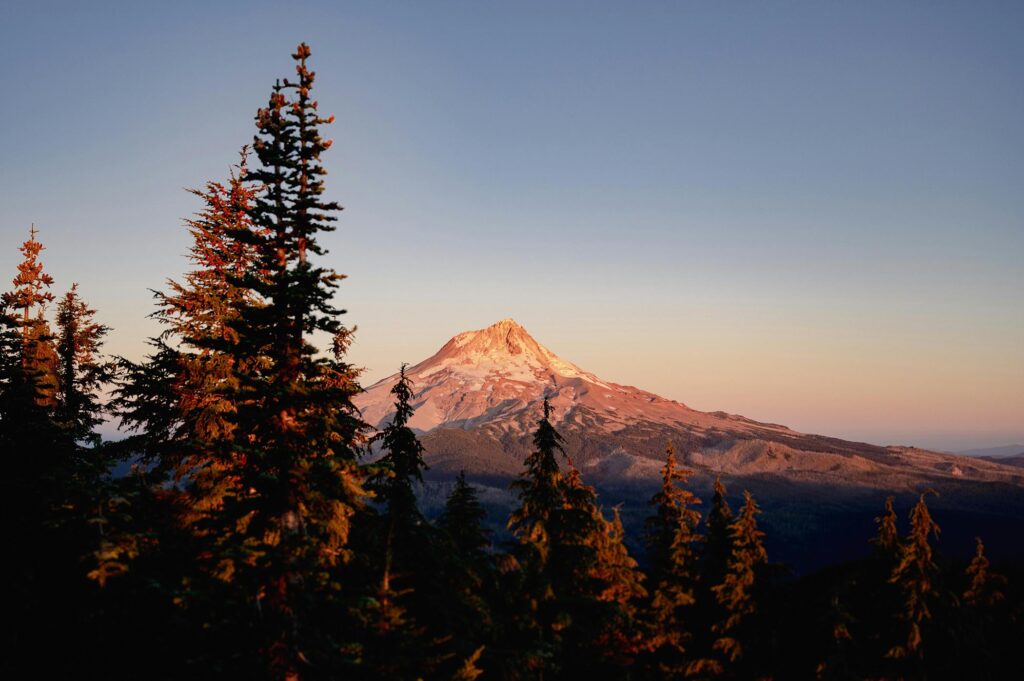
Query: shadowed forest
[(257, 528)]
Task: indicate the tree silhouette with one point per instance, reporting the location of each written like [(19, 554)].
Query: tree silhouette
[(402, 463), (672, 569), (30, 295), (541, 495), (985, 588), (915, 575), (294, 436), (737, 593), (82, 370)]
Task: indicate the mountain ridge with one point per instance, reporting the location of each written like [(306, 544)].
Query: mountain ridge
[(489, 384)]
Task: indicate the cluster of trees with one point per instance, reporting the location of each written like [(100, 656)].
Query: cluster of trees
[(255, 538)]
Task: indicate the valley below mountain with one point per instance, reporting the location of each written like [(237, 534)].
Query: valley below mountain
[(479, 397)]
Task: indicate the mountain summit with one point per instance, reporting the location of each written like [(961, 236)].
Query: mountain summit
[(481, 377), (478, 400)]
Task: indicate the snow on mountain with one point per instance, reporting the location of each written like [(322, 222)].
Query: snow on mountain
[(498, 376), (478, 399)]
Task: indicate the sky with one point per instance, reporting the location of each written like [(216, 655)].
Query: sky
[(806, 213)]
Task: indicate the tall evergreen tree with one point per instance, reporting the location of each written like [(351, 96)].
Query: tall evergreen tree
[(82, 370), (595, 582), (580, 582), (468, 575), (671, 539), (50, 479), (180, 404), (257, 422), (412, 558), (402, 462), (540, 489), (295, 435), (719, 543), (463, 520), (987, 629), (915, 575), (30, 296), (180, 398), (714, 563), (738, 593), (620, 588)]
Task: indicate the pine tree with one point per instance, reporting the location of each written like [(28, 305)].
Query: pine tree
[(987, 628), (30, 295), (179, 399), (886, 542), (985, 587), (671, 538), (414, 555), (714, 563), (82, 370), (719, 544), (31, 285), (295, 434), (51, 479), (595, 583), (737, 594), (621, 590), (402, 463), (260, 423), (915, 575), (468, 575), (463, 520), (541, 495), (580, 582), (39, 463), (181, 403)]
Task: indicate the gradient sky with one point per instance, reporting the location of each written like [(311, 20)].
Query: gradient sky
[(808, 213)]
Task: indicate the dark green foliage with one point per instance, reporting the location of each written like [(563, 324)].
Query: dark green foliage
[(985, 588), (53, 467), (463, 520), (540, 488), (469, 577), (887, 540), (289, 457), (672, 571), (81, 371), (740, 590), (402, 463), (579, 585), (719, 537), (916, 574)]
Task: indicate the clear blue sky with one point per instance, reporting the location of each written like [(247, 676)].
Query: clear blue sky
[(810, 213)]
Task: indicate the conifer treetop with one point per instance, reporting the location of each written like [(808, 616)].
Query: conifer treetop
[(31, 283), (888, 536), (915, 574), (985, 588)]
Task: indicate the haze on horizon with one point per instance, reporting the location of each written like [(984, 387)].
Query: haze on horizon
[(808, 215)]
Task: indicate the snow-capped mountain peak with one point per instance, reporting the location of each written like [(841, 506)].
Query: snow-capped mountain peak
[(477, 377), (481, 393)]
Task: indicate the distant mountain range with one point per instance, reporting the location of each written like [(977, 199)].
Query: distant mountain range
[(479, 397), (1006, 451)]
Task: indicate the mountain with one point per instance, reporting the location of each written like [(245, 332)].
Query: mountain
[(996, 452), (479, 397)]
